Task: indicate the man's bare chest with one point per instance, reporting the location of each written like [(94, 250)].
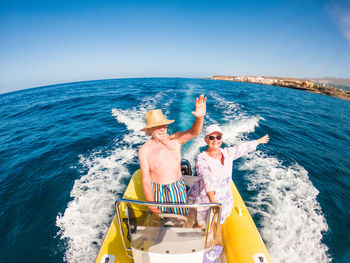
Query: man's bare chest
[(164, 162), (161, 153)]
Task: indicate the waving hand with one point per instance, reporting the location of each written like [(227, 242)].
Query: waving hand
[(201, 106)]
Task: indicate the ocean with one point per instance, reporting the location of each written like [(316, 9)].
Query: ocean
[(67, 152)]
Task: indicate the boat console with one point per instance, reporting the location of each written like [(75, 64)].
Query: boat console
[(166, 237), (138, 235)]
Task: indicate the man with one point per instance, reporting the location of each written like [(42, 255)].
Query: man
[(160, 158)]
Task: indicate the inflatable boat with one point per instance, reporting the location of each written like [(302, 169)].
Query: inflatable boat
[(137, 235)]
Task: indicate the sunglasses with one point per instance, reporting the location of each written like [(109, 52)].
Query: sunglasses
[(212, 137)]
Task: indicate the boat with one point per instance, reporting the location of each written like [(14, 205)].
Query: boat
[(137, 235)]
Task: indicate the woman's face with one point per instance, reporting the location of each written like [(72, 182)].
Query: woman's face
[(213, 141)]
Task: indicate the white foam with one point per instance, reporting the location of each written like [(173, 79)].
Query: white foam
[(236, 123), (87, 217), (131, 119), (292, 221), (229, 109), (191, 152)]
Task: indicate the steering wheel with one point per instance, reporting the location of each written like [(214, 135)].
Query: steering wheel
[(169, 220)]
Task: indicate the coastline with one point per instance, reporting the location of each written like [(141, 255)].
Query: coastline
[(292, 83)]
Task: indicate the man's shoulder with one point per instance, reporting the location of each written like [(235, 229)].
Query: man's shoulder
[(145, 147), (174, 137)]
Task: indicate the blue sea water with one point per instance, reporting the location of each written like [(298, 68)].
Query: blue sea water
[(68, 151)]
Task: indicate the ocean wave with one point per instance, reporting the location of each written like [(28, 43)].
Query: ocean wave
[(292, 221), (86, 218)]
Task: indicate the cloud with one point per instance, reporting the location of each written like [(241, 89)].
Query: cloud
[(347, 34), (340, 13)]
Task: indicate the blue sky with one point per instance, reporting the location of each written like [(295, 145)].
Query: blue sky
[(49, 42)]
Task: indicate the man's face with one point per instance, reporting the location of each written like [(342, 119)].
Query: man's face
[(160, 132)]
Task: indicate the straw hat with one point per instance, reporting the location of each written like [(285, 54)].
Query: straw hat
[(155, 118)]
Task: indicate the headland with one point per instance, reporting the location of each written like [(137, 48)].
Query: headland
[(292, 83)]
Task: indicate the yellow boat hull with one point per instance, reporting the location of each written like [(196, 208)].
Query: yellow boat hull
[(240, 236)]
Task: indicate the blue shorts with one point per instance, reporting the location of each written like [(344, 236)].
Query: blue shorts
[(171, 193)]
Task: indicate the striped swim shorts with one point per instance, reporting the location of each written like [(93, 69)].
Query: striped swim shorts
[(171, 193)]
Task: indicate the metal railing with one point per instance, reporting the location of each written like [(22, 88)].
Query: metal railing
[(144, 203)]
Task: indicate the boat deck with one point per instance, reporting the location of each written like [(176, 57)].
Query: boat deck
[(167, 240)]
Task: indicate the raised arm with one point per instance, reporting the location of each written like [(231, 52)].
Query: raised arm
[(263, 140), (246, 147), (146, 178), (196, 129)]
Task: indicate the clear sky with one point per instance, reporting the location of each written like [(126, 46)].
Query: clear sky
[(56, 41)]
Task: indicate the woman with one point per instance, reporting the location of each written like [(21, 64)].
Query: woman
[(214, 169)]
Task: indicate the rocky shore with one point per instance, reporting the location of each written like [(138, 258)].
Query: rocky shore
[(292, 83)]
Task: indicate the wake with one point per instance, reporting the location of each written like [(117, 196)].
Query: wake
[(87, 217), (292, 222)]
